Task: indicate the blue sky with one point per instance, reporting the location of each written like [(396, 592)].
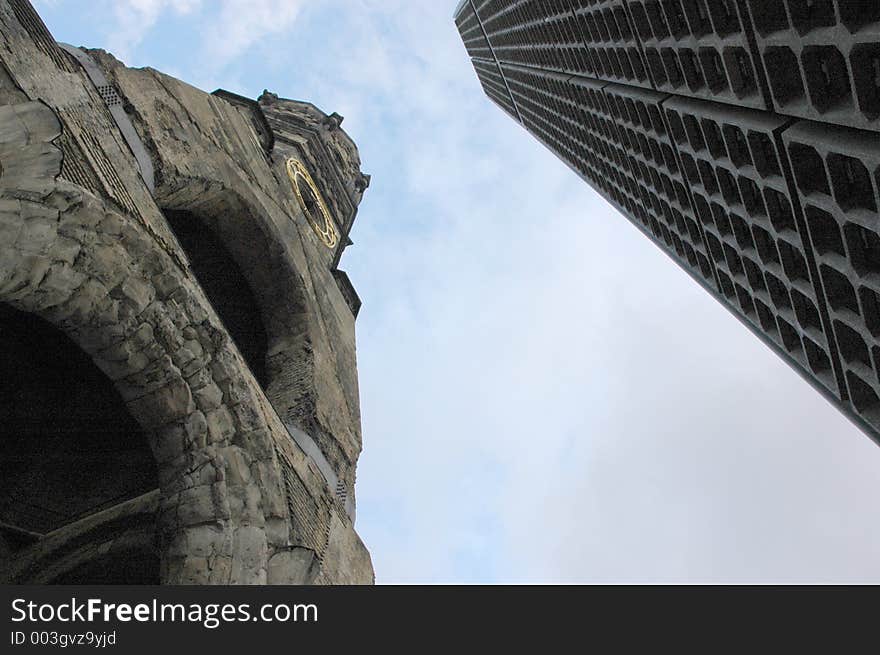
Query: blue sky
[(546, 397)]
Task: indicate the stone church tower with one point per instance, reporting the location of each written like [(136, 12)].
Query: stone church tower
[(179, 397)]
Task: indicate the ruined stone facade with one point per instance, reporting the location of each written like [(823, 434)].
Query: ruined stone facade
[(741, 136), (180, 397)]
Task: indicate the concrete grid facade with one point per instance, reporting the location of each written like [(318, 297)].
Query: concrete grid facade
[(741, 136)]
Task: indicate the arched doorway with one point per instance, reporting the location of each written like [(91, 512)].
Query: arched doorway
[(69, 448)]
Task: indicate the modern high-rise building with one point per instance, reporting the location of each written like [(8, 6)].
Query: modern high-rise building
[(741, 136)]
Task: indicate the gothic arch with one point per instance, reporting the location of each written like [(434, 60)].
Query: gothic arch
[(247, 231), (294, 323), (69, 448)]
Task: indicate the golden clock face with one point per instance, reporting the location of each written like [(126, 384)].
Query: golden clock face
[(312, 203)]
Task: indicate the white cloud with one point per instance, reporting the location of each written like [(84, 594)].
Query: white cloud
[(212, 34), (135, 19), (239, 24)]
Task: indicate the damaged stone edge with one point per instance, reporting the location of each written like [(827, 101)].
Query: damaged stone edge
[(261, 125), (310, 447), (117, 110)]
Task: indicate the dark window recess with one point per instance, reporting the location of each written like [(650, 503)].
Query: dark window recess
[(745, 301), (690, 169), (764, 154), (690, 66), (734, 263), (766, 245), (713, 138), (790, 338), (655, 64), (871, 305), (751, 196), (778, 292), (742, 233), (852, 347), (765, 315), (697, 16), (713, 69), (737, 147), (784, 74), (695, 136), (839, 291), (726, 286), (707, 175), (728, 187), (827, 77), (824, 231), (676, 127), (641, 20), (657, 20), (636, 63), (676, 19), (863, 397), (851, 183), (809, 169), (715, 249), (805, 310), (817, 357), (673, 70), (808, 15), (753, 273), (864, 249), (769, 17), (865, 64), (724, 16), (793, 261), (226, 288), (739, 70), (719, 216), (779, 210), (856, 15), (68, 446)]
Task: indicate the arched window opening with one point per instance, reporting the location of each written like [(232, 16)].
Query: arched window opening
[(226, 287), (68, 446)]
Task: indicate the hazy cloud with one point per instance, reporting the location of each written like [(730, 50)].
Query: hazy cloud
[(238, 24), (135, 18)]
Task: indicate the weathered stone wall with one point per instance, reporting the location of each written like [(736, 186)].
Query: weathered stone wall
[(209, 161), (84, 244)]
